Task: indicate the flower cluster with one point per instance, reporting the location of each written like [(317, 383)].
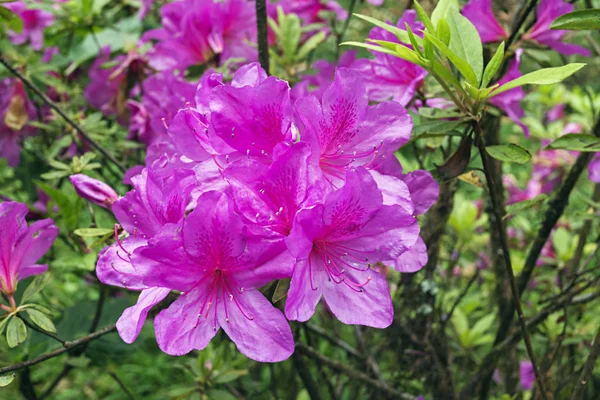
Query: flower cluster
[(257, 190)]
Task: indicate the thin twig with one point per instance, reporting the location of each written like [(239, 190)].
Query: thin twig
[(121, 384), (508, 263), (342, 33), (335, 340), (460, 297), (588, 368), (309, 383), (60, 112), (43, 332), (352, 373), (55, 353), (261, 29)]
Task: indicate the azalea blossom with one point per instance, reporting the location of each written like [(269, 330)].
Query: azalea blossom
[(196, 32), (34, 23), (480, 13), (218, 268), (93, 190), (16, 110), (336, 243), (21, 245)]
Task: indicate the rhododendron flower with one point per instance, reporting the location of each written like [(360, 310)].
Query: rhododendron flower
[(389, 77), (335, 245), (509, 101), (480, 13), (313, 11), (547, 11), (219, 269), (155, 204), (594, 169), (93, 190), (34, 22), (201, 31), (22, 246), (344, 131), (317, 83), (526, 374), (15, 111)]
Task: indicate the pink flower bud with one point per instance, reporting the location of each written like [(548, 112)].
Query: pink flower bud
[(93, 190)]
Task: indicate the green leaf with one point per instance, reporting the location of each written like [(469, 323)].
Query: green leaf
[(41, 320), (93, 232), (290, 35), (510, 153), (402, 35), (218, 394), (281, 290), (38, 283), (545, 76), (438, 113), (13, 21), (466, 43), (578, 20), (576, 142), (516, 208), (5, 380), (16, 333), (482, 326), (492, 67), (443, 8), (437, 126), (67, 207), (444, 73), (443, 32), (424, 18), (4, 322), (311, 44), (230, 376), (463, 66), (413, 40), (460, 321), (55, 175), (371, 47)]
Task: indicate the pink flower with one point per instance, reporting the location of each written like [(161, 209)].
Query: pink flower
[(201, 31), (509, 101), (547, 11), (335, 244), (389, 77), (34, 22), (480, 13), (15, 111), (311, 11), (93, 190), (345, 132), (219, 267), (22, 246), (527, 374)]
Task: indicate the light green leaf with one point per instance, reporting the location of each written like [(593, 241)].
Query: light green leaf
[(402, 35), (413, 40), (482, 326), (578, 20), (38, 283), (460, 321), (290, 35), (545, 76), (41, 320), (463, 66), (444, 73), (16, 333), (466, 43), (55, 175), (5, 380), (4, 322), (230, 376), (311, 44), (443, 32), (516, 208), (509, 153), (442, 9), (93, 232), (424, 18), (492, 67), (576, 142)]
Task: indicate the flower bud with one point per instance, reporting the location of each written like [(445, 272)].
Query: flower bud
[(93, 190)]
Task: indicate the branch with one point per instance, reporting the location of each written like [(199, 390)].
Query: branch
[(508, 263), (352, 373), (55, 353), (262, 34), (340, 36), (69, 121), (526, 8), (588, 368)]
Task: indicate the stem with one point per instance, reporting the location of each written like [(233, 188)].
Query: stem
[(43, 332), (507, 261), (121, 384), (309, 383), (262, 34), (588, 368), (523, 12), (340, 36), (55, 353), (351, 373), (67, 119)]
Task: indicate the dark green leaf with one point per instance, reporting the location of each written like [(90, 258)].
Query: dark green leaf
[(545, 76), (218, 394), (578, 20), (16, 333), (438, 113), (516, 208), (230, 376), (576, 142), (436, 126), (510, 153), (281, 290)]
